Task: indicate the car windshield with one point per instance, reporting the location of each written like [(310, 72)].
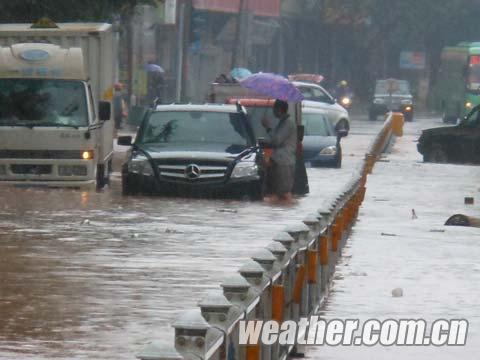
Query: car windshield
[(38, 102), (256, 114), (394, 87), (195, 127), (317, 125)]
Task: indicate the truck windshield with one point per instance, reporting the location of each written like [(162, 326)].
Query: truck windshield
[(38, 102), (187, 127)]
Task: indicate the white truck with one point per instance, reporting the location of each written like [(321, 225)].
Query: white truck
[(56, 87)]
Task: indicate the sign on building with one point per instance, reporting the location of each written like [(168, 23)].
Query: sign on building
[(412, 60)]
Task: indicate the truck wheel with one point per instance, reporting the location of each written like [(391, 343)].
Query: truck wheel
[(101, 176)]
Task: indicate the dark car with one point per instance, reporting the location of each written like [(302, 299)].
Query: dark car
[(194, 150), (458, 144), (321, 143), (392, 95)]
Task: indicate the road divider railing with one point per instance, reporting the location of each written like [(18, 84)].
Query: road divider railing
[(288, 280)]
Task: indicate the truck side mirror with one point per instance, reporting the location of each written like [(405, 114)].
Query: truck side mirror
[(104, 110)]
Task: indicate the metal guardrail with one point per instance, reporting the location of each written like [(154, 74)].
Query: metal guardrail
[(287, 280)]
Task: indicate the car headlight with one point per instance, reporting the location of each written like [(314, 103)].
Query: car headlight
[(330, 150), (140, 165), (468, 105), (378, 101), (245, 169), (407, 102)]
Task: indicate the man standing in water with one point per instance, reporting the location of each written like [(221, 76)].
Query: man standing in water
[(283, 140)]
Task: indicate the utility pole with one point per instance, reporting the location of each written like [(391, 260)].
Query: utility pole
[(239, 45)]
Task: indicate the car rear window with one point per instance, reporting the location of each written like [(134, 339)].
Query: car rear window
[(317, 125), (195, 127), (399, 87)]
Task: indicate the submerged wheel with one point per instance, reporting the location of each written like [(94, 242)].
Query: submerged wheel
[(438, 155)]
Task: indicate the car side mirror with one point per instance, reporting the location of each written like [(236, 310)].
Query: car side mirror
[(104, 110), (124, 141)]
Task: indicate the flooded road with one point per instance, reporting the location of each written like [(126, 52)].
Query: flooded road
[(87, 275), (437, 267)]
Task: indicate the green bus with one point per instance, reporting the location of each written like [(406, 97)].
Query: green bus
[(457, 89)]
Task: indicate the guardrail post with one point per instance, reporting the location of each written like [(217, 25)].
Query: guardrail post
[(314, 271), (222, 315), (159, 351), (194, 337), (238, 291), (300, 233), (287, 241), (255, 275)]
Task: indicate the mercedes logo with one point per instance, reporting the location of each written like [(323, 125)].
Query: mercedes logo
[(192, 172)]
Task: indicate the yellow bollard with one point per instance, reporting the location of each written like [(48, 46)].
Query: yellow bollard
[(253, 352), (323, 250), (297, 290), (398, 120), (336, 234), (312, 266), (278, 302)]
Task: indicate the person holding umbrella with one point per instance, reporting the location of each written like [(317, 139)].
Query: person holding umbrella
[(283, 140)]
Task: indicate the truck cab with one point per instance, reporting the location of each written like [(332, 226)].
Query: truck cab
[(53, 131)]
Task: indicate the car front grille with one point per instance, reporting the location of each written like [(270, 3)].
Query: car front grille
[(28, 169), (40, 154), (193, 172)]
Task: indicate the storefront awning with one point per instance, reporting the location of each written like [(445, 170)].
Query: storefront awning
[(270, 8)]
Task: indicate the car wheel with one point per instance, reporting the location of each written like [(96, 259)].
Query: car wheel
[(438, 155), (129, 186), (257, 191), (338, 163)]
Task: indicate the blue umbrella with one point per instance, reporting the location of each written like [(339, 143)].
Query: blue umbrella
[(273, 86), (240, 73)]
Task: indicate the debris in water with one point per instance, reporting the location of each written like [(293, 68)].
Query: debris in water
[(173, 231), (232, 211), (134, 236), (437, 231), (86, 222), (386, 234), (397, 292), (414, 215)]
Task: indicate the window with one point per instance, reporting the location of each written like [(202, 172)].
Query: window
[(187, 127), (317, 125), (38, 102)]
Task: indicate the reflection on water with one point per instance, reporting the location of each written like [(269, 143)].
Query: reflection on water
[(97, 275)]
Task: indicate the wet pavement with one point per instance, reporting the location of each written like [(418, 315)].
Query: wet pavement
[(436, 266), (87, 275)]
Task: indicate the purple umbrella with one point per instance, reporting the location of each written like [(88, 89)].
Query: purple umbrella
[(273, 86)]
